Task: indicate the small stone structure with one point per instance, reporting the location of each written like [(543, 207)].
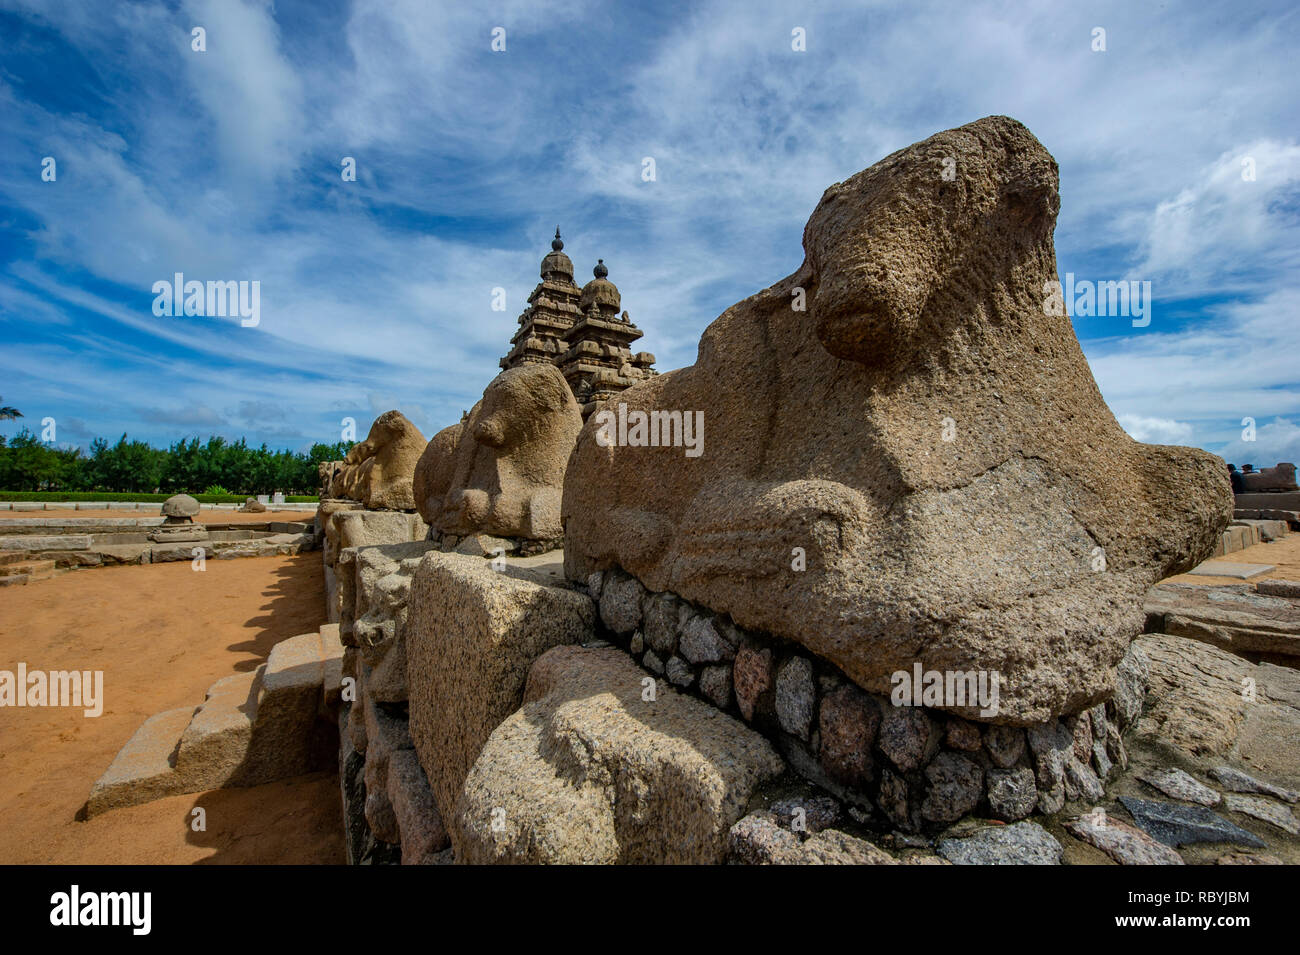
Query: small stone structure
[(1275, 479), (179, 525)]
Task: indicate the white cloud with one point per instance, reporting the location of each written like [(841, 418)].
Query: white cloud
[(1156, 430), (1278, 440), (246, 86), (1224, 228), (1237, 361), (359, 302)]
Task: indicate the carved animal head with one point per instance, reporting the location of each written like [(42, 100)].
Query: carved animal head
[(514, 446), (882, 243), (521, 404)]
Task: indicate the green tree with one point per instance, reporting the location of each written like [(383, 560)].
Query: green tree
[(29, 463), (187, 466)]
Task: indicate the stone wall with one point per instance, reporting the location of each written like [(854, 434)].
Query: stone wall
[(370, 559), (469, 633), (418, 770), (922, 768), (345, 524), (389, 815)]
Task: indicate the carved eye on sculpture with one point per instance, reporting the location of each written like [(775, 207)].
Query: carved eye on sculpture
[(863, 315), (1032, 198), (490, 433)]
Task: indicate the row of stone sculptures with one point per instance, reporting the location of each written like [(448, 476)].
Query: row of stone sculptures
[(908, 458), (378, 471), (498, 471)]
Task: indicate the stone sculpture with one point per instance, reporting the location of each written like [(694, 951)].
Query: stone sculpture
[(433, 472), (502, 471), (1279, 478), (906, 457), (379, 471), (178, 524)]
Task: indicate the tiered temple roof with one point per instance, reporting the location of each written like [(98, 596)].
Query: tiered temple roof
[(579, 331)]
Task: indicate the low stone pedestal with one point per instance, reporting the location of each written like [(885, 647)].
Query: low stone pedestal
[(182, 531)]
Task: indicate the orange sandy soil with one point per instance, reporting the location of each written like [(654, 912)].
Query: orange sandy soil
[(1283, 554), (162, 633), (206, 517)]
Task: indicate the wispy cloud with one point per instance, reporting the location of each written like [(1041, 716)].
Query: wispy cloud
[(376, 293)]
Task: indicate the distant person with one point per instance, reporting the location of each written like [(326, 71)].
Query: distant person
[(1238, 485)]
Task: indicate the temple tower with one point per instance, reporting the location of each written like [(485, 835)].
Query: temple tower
[(552, 309), (581, 331), (599, 362)]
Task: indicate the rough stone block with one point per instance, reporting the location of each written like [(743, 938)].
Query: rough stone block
[(142, 770), (590, 771), (418, 821), (471, 635)]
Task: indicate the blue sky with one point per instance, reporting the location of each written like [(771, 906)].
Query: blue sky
[(376, 294)]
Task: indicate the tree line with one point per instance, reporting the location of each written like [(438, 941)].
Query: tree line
[(187, 466)]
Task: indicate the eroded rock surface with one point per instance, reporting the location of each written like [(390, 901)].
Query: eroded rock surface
[(592, 771), (1207, 702)]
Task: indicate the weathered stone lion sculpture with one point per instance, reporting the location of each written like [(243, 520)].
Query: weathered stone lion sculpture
[(379, 471), (906, 458), (501, 470)]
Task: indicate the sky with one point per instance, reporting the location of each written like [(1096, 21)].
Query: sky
[(1177, 145)]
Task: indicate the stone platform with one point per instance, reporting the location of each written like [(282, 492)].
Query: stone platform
[(252, 728), (1238, 618), (98, 542)]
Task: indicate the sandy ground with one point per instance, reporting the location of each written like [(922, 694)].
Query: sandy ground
[(162, 633), (206, 517), (1284, 554)]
